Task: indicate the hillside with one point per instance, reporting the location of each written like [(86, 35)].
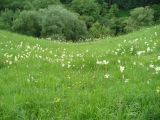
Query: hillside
[(110, 79)]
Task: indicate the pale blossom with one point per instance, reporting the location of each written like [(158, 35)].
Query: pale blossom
[(122, 69)]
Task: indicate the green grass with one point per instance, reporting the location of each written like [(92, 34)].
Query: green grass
[(44, 80)]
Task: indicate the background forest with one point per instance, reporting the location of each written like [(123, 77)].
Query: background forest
[(77, 19)]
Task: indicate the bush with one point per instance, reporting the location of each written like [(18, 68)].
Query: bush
[(37, 4), (117, 26), (59, 21), (88, 9), (7, 17), (98, 31), (141, 16), (156, 9), (113, 11), (27, 23)]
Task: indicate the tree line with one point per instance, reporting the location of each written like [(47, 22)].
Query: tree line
[(77, 19)]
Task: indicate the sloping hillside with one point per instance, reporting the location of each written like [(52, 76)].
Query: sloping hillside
[(110, 79)]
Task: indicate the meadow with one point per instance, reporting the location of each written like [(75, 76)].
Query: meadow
[(108, 79)]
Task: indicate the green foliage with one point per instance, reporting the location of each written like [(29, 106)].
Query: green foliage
[(113, 11), (88, 9), (156, 9), (113, 22), (27, 23), (7, 17), (111, 14), (141, 16), (23, 4), (65, 1), (117, 26), (37, 4), (98, 31), (59, 21), (129, 4)]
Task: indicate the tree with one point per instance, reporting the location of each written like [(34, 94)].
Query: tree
[(97, 30), (113, 11), (57, 21), (141, 16), (156, 9), (88, 9), (7, 17), (28, 23)]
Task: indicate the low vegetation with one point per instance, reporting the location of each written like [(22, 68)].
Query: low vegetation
[(79, 60), (112, 78)]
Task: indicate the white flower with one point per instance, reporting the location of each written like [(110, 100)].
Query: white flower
[(63, 65), (157, 69), (87, 50), (134, 63), (69, 65), (119, 61), (16, 59), (50, 52), (148, 49), (122, 68), (126, 81), (140, 52), (104, 62), (151, 66), (158, 90), (106, 76), (131, 49), (155, 33), (10, 62), (98, 62)]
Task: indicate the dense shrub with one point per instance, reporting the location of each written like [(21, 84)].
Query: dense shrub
[(7, 17), (88, 9), (141, 16), (27, 23), (95, 16), (113, 11), (59, 21), (114, 23), (98, 30), (37, 4), (117, 26), (22, 4), (156, 9)]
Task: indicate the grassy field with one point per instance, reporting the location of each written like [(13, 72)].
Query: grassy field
[(110, 79)]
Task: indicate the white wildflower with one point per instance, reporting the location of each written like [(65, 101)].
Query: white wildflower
[(16, 59), (151, 66), (158, 90), (155, 33), (157, 69), (63, 65), (148, 49), (122, 69), (106, 76), (126, 81)]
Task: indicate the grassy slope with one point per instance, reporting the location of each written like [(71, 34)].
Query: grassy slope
[(58, 81)]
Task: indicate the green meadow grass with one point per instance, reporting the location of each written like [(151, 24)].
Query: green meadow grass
[(109, 79)]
